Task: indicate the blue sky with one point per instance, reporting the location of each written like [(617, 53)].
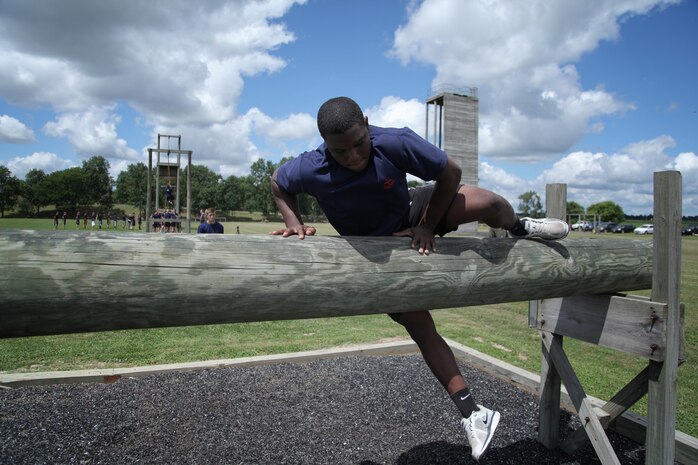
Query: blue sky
[(594, 94)]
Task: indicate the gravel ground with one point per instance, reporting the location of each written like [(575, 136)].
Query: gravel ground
[(353, 410)]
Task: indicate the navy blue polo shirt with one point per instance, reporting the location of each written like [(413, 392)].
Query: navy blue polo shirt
[(215, 228), (375, 201)]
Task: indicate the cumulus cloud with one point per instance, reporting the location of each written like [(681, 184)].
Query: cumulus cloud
[(92, 132), (181, 68), (183, 63), (533, 106), (279, 132), (45, 161), (230, 148), (625, 177), (398, 113), (14, 131), (507, 185)]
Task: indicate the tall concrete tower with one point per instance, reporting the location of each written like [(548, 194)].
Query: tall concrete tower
[(454, 115)]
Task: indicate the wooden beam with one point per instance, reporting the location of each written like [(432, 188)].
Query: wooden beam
[(583, 405), (56, 282), (619, 403), (627, 324)]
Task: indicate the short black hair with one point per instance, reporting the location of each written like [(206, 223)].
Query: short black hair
[(338, 115)]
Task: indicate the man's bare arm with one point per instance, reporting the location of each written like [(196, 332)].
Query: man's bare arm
[(288, 206)]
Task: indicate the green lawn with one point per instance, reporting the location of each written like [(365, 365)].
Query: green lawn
[(498, 330)]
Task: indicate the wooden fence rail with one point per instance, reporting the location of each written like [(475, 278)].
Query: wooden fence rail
[(55, 282)]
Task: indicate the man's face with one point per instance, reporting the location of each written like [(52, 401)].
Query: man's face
[(351, 149)]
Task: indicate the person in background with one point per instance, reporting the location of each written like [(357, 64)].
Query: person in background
[(211, 226)]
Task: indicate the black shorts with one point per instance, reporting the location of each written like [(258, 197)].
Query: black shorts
[(419, 200)]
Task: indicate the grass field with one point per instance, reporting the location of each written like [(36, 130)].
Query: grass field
[(498, 330)]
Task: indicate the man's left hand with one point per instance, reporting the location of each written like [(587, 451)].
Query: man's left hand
[(422, 238)]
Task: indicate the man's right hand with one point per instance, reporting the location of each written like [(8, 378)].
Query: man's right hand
[(301, 230)]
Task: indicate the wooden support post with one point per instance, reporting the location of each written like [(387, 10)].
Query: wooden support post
[(550, 384), (666, 285), (148, 200), (189, 216)]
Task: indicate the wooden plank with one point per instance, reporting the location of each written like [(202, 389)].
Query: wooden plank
[(619, 403), (634, 426), (55, 282), (582, 404), (661, 405), (626, 324)]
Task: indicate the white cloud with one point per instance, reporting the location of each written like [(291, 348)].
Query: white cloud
[(533, 106), (230, 148), (625, 178), (14, 131), (398, 113), (45, 161), (503, 183), (279, 132), (92, 132), (178, 64)]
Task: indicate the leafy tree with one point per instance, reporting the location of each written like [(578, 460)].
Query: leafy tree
[(260, 178), (132, 186), (573, 208), (609, 211), (24, 206), (234, 193), (69, 187), (206, 187), (530, 205), (9, 190), (98, 181), (35, 189)]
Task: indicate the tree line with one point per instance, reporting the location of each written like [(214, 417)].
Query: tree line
[(530, 205), (91, 185)]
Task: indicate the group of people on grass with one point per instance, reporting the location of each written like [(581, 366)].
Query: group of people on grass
[(98, 219), (166, 220)]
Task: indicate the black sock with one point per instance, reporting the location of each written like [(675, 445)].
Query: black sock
[(518, 229), (464, 401)]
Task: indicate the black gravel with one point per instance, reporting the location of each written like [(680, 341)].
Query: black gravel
[(353, 410)]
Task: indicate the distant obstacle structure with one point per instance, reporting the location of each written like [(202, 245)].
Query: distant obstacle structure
[(167, 167)]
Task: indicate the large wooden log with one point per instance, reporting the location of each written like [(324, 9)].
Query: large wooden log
[(56, 282)]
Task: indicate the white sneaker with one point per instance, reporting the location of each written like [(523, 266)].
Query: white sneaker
[(479, 428), (545, 228)]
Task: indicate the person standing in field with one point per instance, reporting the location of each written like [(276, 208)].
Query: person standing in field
[(211, 225), (358, 176)]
